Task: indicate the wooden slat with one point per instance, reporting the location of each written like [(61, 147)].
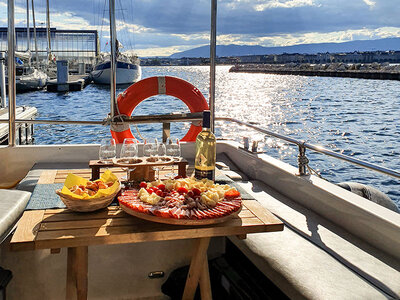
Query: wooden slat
[(263, 214), (104, 214), (47, 176), (27, 229), (89, 223), (142, 233)]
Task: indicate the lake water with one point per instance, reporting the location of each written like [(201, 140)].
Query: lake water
[(356, 117)]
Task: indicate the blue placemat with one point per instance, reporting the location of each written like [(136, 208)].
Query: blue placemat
[(222, 178), (44, 197)]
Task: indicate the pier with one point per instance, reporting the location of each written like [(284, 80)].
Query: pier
[(309, 70), (74, 83)]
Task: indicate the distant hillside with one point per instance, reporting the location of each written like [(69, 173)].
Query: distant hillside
[(239, 50)]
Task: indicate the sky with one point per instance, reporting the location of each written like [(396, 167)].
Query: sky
[(164, 27)]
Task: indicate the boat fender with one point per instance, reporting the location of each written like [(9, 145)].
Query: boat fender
[(161, 85), (370, 193)]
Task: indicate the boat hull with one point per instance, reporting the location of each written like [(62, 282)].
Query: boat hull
[(126, 73)]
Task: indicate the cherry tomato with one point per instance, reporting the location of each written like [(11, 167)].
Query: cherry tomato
[(182, 190), (161, 187), (159, 193), (143, 184), (232, 194), (190, 194), (196, 191), (149, 190), (164, 194)]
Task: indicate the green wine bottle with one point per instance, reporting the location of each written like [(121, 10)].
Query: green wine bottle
[(204, 163)]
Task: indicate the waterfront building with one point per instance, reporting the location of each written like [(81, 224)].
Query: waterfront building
[(80, 46)]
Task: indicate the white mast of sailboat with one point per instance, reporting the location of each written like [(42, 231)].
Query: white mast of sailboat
[(34, 35), (28, 41), (48, 31)]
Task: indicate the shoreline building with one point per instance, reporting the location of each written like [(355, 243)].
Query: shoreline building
[(79, 46)]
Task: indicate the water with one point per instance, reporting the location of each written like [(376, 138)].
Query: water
[(356, 117)]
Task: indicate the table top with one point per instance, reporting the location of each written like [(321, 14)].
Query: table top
[(58, 228)]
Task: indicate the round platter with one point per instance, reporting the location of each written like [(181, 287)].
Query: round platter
[(173, 221)]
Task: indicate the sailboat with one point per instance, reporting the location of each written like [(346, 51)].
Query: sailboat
[(128, 69), (28, 78)]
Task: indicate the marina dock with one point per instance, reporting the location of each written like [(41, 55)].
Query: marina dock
[(74, 83), (24, 132)]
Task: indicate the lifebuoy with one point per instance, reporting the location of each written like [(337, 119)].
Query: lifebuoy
[(161, 85)]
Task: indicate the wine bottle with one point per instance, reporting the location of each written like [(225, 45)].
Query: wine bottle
[(205, 151)]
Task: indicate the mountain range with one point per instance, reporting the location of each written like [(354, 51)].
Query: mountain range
[(243, 50)]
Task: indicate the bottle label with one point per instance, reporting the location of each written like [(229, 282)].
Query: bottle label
[(200, 174)]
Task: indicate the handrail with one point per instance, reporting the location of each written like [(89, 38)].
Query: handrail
[(316, 148), (197, 116), (167, 118)]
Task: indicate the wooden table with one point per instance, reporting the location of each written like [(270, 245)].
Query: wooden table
[(58, 228)]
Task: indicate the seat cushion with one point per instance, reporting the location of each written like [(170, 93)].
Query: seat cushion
[(12, 204), (314, 258)]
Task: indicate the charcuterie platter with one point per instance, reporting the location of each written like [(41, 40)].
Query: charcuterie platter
[(184, 201)]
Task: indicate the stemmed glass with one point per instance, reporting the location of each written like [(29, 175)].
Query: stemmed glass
[(129, 148), (161, 153), (173, 150), (107, 150), (150, 149)]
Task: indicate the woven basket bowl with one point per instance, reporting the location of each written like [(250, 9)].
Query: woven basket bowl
[(87, 205)]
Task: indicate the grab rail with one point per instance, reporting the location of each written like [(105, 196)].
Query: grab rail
[(190, 117), (302, 160)]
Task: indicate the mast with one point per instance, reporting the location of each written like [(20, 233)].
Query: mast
[(48, 31), (11, 74), (213, 46), (34, 35), (113, 58), (28, 41)]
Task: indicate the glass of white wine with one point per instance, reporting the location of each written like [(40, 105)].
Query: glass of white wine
[(107, 150)]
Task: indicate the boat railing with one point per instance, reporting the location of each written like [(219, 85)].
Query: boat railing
[(167, 119)]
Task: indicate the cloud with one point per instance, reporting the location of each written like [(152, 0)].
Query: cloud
[(370, 3), (284, 4)]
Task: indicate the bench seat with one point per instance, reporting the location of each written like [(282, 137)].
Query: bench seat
[(314, 258), (12, 205)]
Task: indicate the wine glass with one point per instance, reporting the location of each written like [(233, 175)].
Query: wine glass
[(129, 148), (150, 149), (161, 153), (107, 150), (174, 151)]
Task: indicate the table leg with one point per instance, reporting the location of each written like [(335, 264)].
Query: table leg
[(198, 269), (77, 273), (95, 172), (182, 169), (205, 284)]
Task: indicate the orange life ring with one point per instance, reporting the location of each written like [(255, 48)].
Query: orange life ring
[(152, 86)]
